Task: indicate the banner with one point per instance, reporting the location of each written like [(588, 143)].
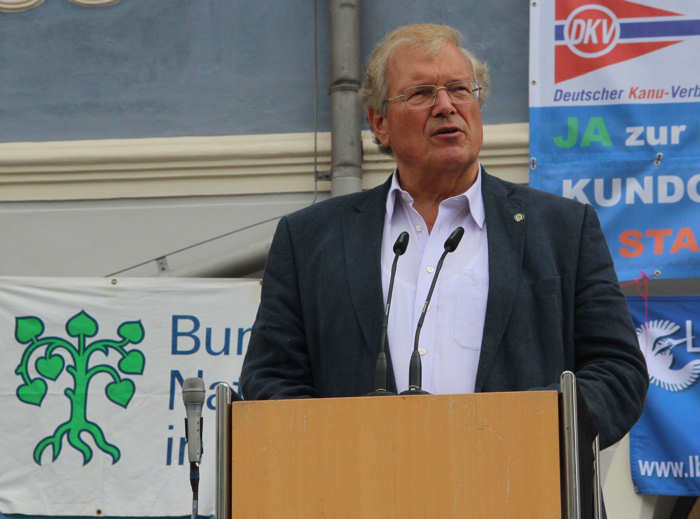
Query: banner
[(665, 444), (614, 103), (90, 391)]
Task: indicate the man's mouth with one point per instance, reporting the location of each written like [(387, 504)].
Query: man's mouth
[(448, 131)]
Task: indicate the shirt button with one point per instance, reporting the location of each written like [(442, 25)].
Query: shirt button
[(430, 270), (423, 352), (419, 227)]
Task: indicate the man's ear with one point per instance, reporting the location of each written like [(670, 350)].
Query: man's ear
[(378, 123)]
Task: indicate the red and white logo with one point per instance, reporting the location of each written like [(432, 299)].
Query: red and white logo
[(591, 31), (590, 34)]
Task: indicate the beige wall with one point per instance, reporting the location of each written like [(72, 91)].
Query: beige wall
[(200, 166)]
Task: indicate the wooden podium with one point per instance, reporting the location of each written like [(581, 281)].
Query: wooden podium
[(487, 455)]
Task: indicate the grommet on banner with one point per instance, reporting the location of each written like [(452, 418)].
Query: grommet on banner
[(533, 163), (659, 156), (657, 273), (113, 281)]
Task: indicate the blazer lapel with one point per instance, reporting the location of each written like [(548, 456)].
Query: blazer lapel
[(363, 225), (505, 223)]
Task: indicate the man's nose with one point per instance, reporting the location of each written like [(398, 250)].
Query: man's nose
[(443, 104)]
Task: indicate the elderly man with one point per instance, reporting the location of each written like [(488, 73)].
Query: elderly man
[(528, 293)]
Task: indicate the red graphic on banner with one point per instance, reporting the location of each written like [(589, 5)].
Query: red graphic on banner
[(622, 8), (592, 35)]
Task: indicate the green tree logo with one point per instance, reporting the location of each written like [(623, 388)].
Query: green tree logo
[(29, 330)]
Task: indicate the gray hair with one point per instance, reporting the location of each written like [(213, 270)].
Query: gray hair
[(429, 37)]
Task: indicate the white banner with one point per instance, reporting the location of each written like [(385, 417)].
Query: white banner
[(612, 52), (90, 391)]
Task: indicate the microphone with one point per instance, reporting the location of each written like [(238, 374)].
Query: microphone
[(380, 371), (415, 368), (193, 397)]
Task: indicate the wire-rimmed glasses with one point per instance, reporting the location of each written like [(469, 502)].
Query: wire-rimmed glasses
[(423, 96)]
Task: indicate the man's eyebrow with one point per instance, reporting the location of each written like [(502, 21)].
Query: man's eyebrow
[(419, 82)]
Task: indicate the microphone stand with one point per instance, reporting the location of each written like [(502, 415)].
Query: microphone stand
[(380, 371), (194, 483), (415, 368)]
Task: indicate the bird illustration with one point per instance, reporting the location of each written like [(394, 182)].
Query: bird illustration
[(656, 345)]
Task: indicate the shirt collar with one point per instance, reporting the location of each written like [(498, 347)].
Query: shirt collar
[(474, 199)]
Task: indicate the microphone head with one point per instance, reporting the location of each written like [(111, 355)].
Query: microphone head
[(193, 391), (453, 239), (401, 243)]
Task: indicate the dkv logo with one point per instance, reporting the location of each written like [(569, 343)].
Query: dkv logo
[(591, 31), (657, 344), (45, 358), (592, 35)]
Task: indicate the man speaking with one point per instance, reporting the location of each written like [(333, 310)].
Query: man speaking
[(529, 292)]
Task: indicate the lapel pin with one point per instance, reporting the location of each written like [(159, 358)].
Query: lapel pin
[(518, 217)]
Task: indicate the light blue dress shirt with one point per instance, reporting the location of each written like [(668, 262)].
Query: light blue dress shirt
[(450, 341)]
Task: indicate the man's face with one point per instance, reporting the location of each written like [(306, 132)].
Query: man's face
[(441, 139)]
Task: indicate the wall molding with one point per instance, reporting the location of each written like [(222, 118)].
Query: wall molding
[(94, 3), (199, 166), (18, 6)]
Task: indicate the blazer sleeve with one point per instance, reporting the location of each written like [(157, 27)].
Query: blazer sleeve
[(610, 368), (277, 363)]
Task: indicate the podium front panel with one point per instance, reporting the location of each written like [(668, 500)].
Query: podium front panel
[(434, 456)]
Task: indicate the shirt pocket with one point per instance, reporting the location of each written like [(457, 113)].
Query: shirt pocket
[(469, 308)]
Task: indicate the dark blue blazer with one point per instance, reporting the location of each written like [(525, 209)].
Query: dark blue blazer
[(554, 304)]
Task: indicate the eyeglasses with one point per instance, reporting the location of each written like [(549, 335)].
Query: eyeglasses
[(424, 96)]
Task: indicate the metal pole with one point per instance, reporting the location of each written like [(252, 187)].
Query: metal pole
[(567, 383), (223, 451), (346, 140), (597, 486)]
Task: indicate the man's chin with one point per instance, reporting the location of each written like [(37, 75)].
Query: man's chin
[(451, 157)]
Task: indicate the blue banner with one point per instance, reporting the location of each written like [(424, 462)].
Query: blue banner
[(614, 99), (647, 195), (665, 442)]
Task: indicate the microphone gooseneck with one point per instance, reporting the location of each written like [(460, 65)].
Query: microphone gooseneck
[(415, 368), (380, 370)]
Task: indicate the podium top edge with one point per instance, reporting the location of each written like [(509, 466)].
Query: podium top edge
[(473, 397)]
